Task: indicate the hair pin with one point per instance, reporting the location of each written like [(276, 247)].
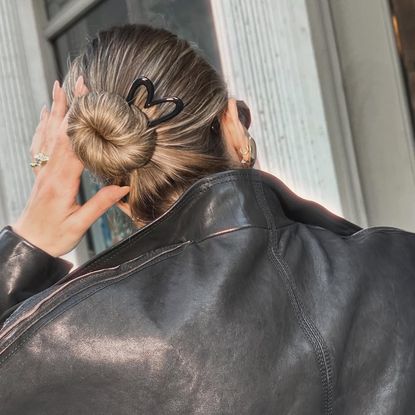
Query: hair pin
[(150, 101)]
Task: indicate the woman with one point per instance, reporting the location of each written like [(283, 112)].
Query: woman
[(235, 296)]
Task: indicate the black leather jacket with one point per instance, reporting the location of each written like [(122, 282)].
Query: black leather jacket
[(243, 298)]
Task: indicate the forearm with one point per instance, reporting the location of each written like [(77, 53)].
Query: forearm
[(25, 269)]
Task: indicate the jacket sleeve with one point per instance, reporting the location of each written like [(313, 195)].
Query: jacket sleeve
[(25, 270)]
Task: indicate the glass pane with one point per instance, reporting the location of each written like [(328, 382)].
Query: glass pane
[(53, 7), (102, 16), (191, 20)]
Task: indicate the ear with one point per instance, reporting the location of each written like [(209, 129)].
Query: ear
[(238, 114), (232, 111), (233, 131), (125, 207)]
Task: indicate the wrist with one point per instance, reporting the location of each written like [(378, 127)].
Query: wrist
[(21, 233)]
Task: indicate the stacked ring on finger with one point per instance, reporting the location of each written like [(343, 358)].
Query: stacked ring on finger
[(40, 158)]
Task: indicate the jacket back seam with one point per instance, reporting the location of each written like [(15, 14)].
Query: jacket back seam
[(308, 327)]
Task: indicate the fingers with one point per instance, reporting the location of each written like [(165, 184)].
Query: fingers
[(79, 90), (59, 104), (72, 166), (80, 87), (64, 167), (47, 130), (38, 140), (95, 207)]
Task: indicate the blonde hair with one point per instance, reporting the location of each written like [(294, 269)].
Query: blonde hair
[(113, 139)]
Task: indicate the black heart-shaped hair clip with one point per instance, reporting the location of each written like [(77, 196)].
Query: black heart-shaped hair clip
[(150, 101)]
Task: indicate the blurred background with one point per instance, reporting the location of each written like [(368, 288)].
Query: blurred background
[(330, 84)]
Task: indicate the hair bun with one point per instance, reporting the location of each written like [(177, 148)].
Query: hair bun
[(110, 137)]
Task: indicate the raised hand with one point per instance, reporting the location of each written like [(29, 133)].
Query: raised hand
[(52, 219)]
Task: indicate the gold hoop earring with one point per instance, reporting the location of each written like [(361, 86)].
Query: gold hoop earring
[(251, 150)]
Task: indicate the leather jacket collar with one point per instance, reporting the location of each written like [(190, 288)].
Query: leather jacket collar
[(221, 202)]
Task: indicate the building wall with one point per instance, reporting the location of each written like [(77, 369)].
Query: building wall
[(268, 60), (19, 113), (378, 110)]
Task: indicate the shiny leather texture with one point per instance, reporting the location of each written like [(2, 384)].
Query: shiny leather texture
[(19, 279), (243, 298)]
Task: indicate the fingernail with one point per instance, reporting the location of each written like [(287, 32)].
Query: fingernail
[(55, 88), (124, 188), (78, 84), (42, 112)]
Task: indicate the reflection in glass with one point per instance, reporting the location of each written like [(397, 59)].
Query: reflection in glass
[(53, 7)]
